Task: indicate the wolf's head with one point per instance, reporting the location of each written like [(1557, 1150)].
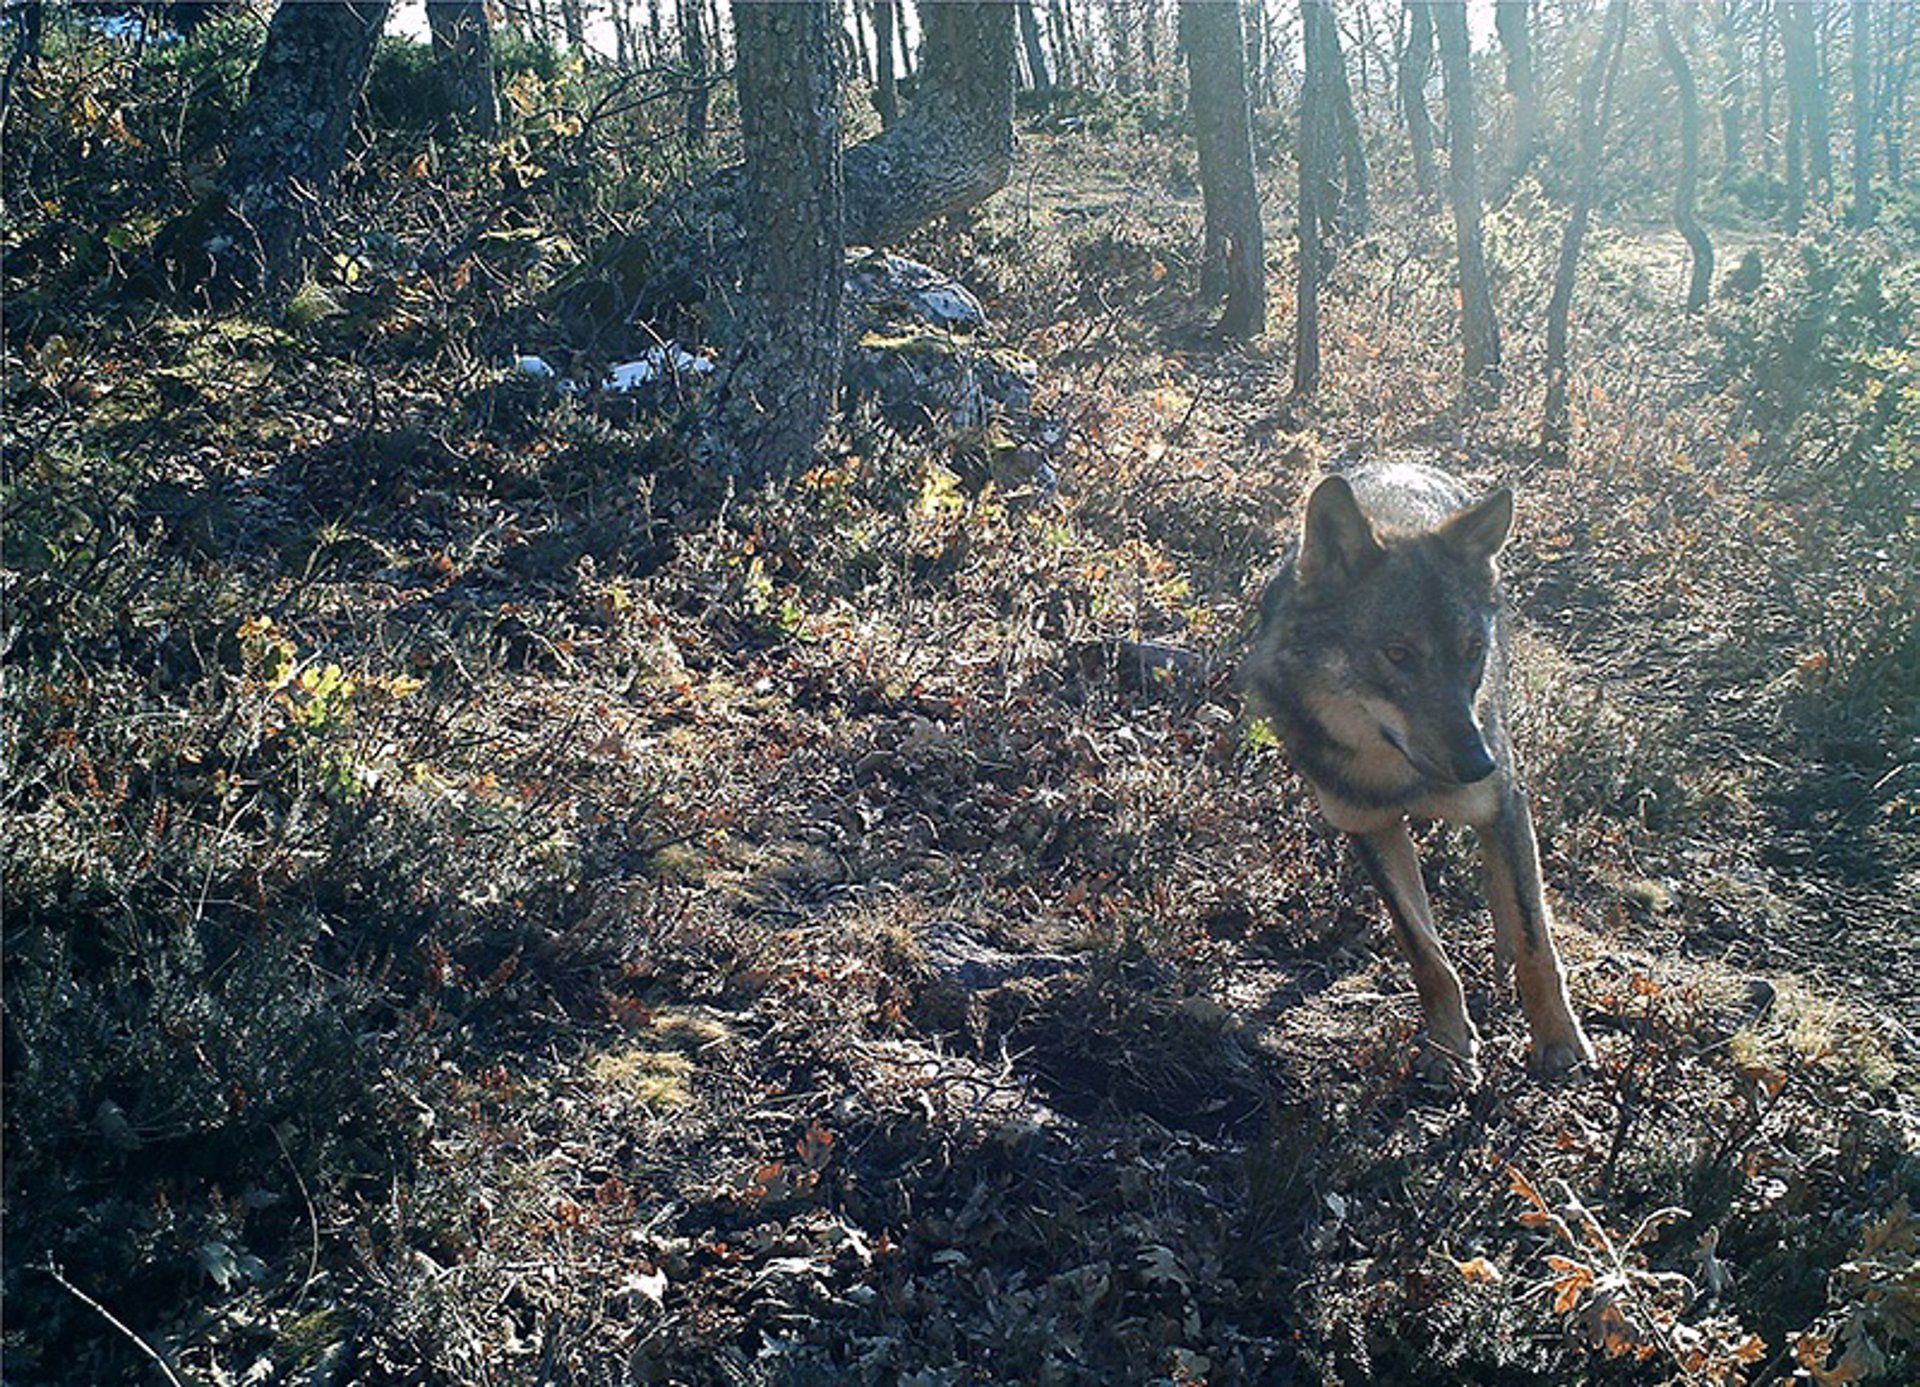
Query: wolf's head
[(1384, 631)]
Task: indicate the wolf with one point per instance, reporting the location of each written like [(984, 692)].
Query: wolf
[(1381, 662)]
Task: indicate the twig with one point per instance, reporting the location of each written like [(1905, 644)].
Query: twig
[(313, 1220), (51, 1270)]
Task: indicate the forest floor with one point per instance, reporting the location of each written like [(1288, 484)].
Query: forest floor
[(487, 907)]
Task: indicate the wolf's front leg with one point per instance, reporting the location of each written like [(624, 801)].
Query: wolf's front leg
[(1450, 1040), (1524, 928)]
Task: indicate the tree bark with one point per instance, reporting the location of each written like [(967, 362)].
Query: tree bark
[(886, 89), (1892, 101), (1685, 196), (784, 375), (1861, 42), (1353, 217), (1062, 42), (463, 54), (1120, 40), (1512, 21), (953, 146), (1733, 95), (1036, 55), (1806, 116), (1316, 212), (1416, 68), (693, 53), (1217, 81), (1479, 330), (1596, 99), (272, 204)]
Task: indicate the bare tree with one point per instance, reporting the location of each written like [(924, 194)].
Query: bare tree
[(784, 374), (1596, 100), (1479, 330), (259, 228), (1057, 25), (1317, 199), (1353, 215), (463, 53), (693, 53), (1235, 253), (1806, 110), (1036, 52), (1512, 21), (1863, 111), (1685, 197), (1416, 68)]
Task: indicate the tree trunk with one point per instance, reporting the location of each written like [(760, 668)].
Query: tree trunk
[(463, 55), (1862, 60), (1479, 330), (1596, 99), (1763, 48), (1795, 18), (886, 89), (784, 375), (1036, 55), (693, 55), (1120, 38), (575, 25), (953, 146), (275, 192), (854, 15), (1217, 81), (1316, 212), (1819, 112), (1062, 42), (1512, 21), (1733, 96), (1685, 196), (1416, 68), (28, 39), (1352, 217), (1892, 117)]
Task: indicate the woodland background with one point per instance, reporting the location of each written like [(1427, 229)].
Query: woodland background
[(762, 875)]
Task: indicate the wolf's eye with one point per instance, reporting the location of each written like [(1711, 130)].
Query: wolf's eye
[(1396, 653), (1475, 649)]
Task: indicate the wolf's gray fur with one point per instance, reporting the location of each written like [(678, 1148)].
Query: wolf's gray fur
[(1381, 661)]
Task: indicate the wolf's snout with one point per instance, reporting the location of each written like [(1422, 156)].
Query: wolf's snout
[(1471, 760)]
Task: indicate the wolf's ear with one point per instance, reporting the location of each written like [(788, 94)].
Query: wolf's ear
[(1338, 539), (1480, 531)]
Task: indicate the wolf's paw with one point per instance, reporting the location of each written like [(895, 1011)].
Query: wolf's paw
[(1560, 1056), (1447, 1063)]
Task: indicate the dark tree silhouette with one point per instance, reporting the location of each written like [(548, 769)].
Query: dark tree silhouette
[(1036, 54), (258, 229), (1479, 330), (1513, 22), (1596, 98), (1685, 196), (1416, 68), (693, 52), (886, 89), (1317, 197), (1353, 214), (463, 53), (781, 383), (1234, 258), (1809, 151), (1861, 59)]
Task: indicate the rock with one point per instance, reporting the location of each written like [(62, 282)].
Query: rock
[(890, 288)]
